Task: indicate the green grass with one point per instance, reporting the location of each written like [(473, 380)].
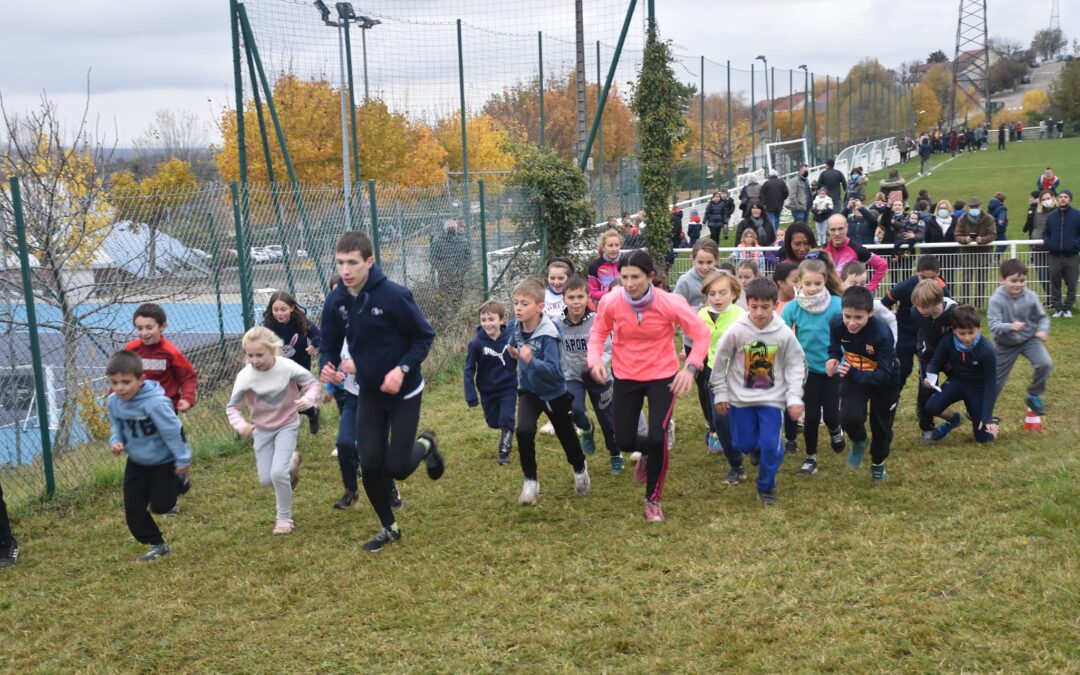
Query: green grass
[(965, 560)]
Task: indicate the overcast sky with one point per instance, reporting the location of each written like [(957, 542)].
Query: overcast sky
[(142, 55)]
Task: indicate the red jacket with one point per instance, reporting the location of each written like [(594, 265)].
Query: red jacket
[(163, 363)]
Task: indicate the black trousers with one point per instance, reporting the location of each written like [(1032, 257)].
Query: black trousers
[(926, 418), (560, 412), (629, 399), (905, 352), (5, 524), (821, 396), (379, 417), (881, 401), (148, 486)]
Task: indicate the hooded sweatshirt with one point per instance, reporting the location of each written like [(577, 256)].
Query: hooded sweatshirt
[(165, 364), (384, 329), (270, 394), (759, 367), (812, 329), (689, 286), (148, 427), (294, 341), (1006, 309), (488, 366), (642, 348), (543, 375)]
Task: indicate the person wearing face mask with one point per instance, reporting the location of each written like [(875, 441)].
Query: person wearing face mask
[(857, 184), (974, 231), (1062, 240), (892, 221), (800, 195)]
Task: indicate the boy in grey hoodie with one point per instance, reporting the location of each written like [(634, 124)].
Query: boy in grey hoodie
[(145, 426), (758, 372), (1020, 325)]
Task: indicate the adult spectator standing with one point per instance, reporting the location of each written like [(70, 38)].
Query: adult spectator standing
[(861, 222), (925, 150), (449, 256), (1019, 132), (843, 250), (800, 195), (1048, 182), (1062, 240), (758, 221), (749, 193), (1040, 206), (1001, 136), (895, 187), (833, 181), (774, 192), (798, 242), (974, 231)]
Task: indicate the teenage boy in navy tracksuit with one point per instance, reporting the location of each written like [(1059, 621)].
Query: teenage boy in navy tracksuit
[(971, 363), (491, 369), (388, 340), (862, 351)]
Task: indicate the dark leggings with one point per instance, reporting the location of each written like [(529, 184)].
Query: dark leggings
[(5, 524), (560, 412), (820, 393), (704, 393), (630, 396), (377, 417)]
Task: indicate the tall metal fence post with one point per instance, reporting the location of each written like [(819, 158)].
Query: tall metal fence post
[(403, 239), (791, 103), (465, 206), (238, 82), (215, 260), (813, 119), (702, 116), (483, 241), (243, 260), (731, 158), (602, 100), (35, 346), (599, 139), (540, 46), (753, 122), (374, 221), (828, 105)]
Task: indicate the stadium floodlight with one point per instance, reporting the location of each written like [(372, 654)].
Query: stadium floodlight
[(365, 23), (768, 94), (324, 10)]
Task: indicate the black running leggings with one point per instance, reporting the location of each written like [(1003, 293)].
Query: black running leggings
[(377, 417), (820, 393), (630, 396)]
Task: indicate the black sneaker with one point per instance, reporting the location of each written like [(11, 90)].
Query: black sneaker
[(767, 497), (9, 554), (383, 537), (755, 457), (156, 551), (433, 459), (809, 466), (837, 439), (313, 420), (735, 476), (395, 498), (174, 511), (504, 458), (791, 447), (183, 483), (347, 501)]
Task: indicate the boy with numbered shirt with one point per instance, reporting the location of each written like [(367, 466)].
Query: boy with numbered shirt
[(971, 364), (536, 343), (1020, 325), (759, 371), (491, 370), (574, 326), (932, 313), (145, 426), (862, 351), (388, 338)]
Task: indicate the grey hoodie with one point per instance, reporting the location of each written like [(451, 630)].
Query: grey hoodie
[(689, 286), (1006, 309), (758, 367), (148, 427), (575, 346)]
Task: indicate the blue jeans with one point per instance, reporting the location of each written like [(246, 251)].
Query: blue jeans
[(799, 215), (774, 218), (758, 428)]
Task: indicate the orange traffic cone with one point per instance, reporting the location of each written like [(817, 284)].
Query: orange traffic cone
[(1032, 422)]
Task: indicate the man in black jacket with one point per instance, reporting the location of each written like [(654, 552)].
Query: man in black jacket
[(774, 192), (833, 180), (1062, 240)]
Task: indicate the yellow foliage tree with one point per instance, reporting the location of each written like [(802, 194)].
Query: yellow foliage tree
[(149, 200), (489, 145), (927, 108), (1035, 101)]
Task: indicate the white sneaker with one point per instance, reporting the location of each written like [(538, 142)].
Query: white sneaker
[(1058, 314), (929, 173), (581, 482), (529, 490), (333, 453), (635, 457), (1067, 314), (548, 429)]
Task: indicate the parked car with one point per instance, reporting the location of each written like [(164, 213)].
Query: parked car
[(1035, 63), (1026, 79)]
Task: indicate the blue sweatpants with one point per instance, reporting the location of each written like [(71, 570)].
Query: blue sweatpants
[(758, 428), (601, 396), (499, 409)]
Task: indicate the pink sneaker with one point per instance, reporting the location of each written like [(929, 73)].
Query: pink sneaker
[(283, 526), (653, 512), (641, 474)]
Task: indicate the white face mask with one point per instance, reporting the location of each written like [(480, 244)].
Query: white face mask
[(1048, 203)]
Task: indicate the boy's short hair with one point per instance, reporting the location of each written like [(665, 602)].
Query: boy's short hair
[(858, 297), (1000, 196), (922, 205), (530, 287), (355, 241), (149, 310), (852, 269), (762, 289), (928, 263), (1012, 266), (124, 362), (492, 307), (927, 293), (574, 283), (783, 271), (965, 316), (959, 205)]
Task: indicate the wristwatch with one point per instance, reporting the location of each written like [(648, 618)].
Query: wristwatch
[(693, 369), (404, 369)]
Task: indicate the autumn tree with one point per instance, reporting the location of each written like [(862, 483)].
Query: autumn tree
[(179, 134), (489, 145), (928, 113), (1048, 42), (937, 56), (1035, 104), (150, 201), (1065, 96)]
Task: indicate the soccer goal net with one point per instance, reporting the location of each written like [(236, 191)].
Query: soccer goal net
[(786, 156)]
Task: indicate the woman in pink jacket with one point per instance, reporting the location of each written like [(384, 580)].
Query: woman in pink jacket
[(642, 320)]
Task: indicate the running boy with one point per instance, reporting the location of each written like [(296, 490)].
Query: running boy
[(162, 361), (1020, 325), (758, 373), (861, 349), (490, 369), (575, 325), (932, 312), (899, 297), (541, 389), (388, 339), (971, 364), (145, 426)]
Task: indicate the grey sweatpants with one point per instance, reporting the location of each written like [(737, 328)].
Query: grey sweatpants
[(1033, 350), (273, 454)]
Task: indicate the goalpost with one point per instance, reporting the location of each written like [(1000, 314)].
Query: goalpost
[(786, 156)]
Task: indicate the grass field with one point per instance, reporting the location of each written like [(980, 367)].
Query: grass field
[(966, 560)]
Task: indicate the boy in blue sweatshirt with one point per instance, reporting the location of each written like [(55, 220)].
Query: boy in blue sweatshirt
[(971, 364), (145, 426), (490, 369), (535, 342), (862, 351), (388, 340)]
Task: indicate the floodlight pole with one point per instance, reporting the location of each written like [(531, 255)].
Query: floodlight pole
[(344, 10)]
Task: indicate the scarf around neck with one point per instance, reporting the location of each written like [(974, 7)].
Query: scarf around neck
[(815, 304), (641, 304), (962, 348), (610, 260)]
